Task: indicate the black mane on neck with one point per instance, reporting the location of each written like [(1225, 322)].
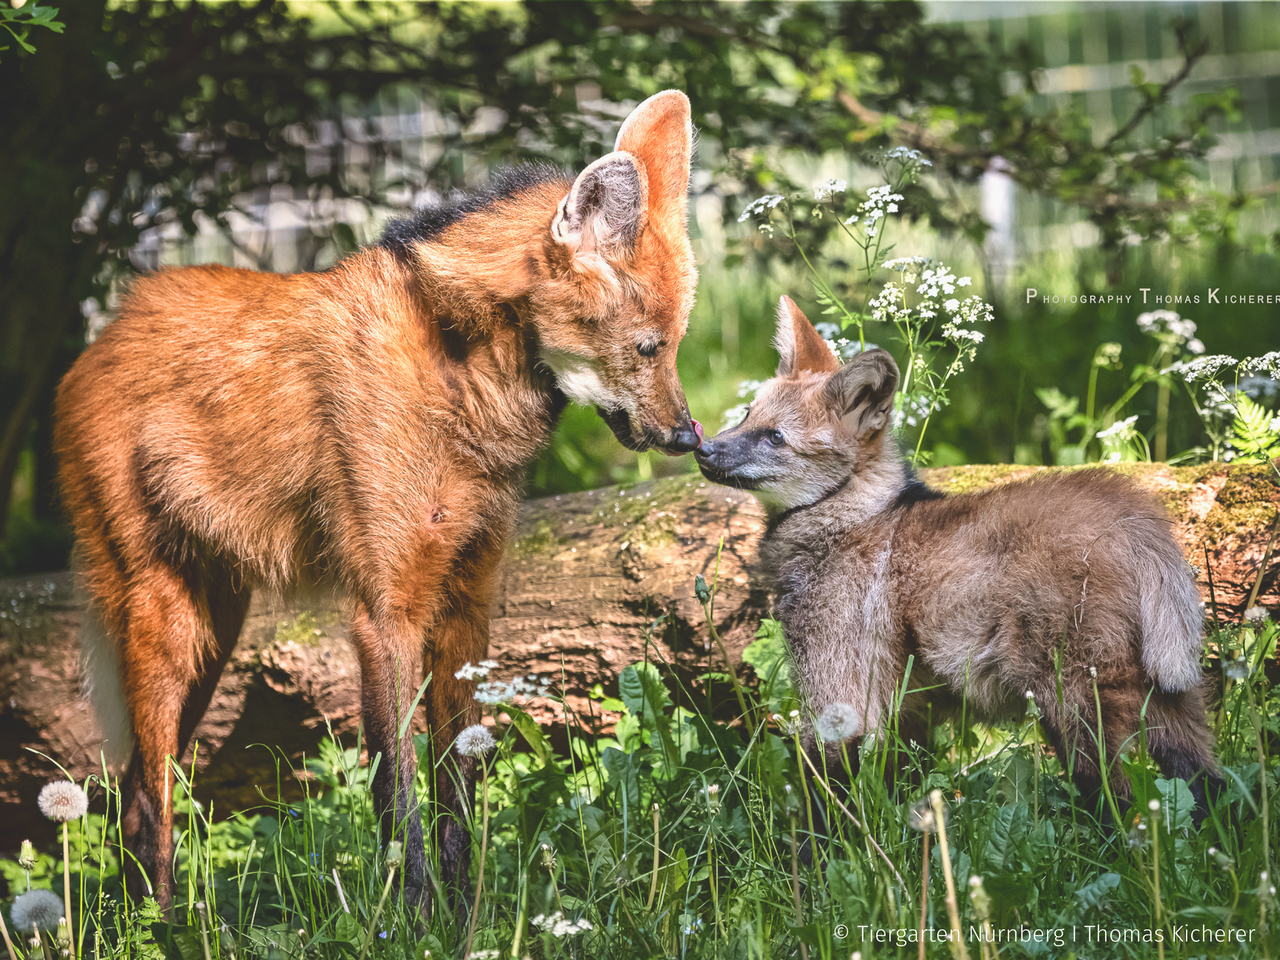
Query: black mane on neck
[(427, 223)]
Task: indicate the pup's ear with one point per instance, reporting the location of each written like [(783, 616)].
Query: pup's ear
[(800, 347), (659, 133), (606, 209), (861, 392)]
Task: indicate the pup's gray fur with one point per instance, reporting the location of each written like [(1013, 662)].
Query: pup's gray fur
[(996, 594)]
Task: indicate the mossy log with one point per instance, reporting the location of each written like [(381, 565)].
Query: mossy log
[(587, 577)]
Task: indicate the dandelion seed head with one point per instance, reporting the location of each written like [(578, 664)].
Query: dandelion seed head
[(475, 741), (1153, 805), (37, 911), (837, 723), (63, 800), (921, 816)]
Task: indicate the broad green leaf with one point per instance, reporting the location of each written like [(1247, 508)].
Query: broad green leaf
[(1095, 893), (1007, 829), (531, 731)]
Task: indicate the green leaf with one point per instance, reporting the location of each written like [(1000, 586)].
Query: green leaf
[(178, 943), (621, 768), (1095, 893), (347, 929), (646, 697), (1007, 830), (530, 730)]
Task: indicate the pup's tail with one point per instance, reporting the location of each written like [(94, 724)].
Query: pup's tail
[(1172, 618), (104, 688)]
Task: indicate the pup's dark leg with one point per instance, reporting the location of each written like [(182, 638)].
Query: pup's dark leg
[(1178, 738), (1073, 734)]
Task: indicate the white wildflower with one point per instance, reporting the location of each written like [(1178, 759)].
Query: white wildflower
[(837, 723), (559, 927), (504, 691), (1120, 429), (63, 800), (1195, 346), (829, 188), (475, 741), (734, 416), (1201, 368), (1255, 614), (36, 911), (1157, 321), (760, 205), (906, 155), (478, 671), (1268, 363)]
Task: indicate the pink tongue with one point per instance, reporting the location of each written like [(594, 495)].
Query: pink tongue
[(697, 428)]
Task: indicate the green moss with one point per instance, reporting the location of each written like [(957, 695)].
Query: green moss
[(305, 629), (974, 477), (1246, 502), (543, 540)]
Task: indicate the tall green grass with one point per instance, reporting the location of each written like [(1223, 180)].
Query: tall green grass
[(694, 831)]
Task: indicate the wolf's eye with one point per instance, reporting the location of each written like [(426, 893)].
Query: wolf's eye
[(649, 348), (774, 437)]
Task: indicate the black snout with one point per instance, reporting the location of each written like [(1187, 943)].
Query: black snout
[(706, 454), (718, 464), (685, 438)]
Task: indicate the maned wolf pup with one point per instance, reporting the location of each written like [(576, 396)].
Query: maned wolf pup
[(365, 429), (997, 594)]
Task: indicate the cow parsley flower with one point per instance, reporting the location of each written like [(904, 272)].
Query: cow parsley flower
[(559, 927), (1120, 429), (504, 691), (1202, 368), (1268, 363), (760, 205), (906, 155), (37, 911), (478, 671), (829, 188), (63, 800)]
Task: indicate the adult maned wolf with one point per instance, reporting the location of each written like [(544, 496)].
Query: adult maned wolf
[(365, 429), (1054, 587)]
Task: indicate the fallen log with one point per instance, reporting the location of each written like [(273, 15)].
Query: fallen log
[(585, 580)]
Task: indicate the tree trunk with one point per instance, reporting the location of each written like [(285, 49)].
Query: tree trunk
[(586, 579)]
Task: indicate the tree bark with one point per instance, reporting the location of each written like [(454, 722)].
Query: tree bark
[(585, 583)]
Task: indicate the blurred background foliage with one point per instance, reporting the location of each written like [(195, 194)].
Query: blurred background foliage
[(1077, 151)]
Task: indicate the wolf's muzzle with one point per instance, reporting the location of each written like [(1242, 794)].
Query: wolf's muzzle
[(715, 462)]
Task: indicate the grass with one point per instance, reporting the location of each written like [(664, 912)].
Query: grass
[(691, 833)]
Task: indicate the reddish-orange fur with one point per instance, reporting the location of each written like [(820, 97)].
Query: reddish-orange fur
[(366, 430)]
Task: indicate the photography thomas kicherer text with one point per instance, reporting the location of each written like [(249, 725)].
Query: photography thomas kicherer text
[(1212, 295), (1060, 936)]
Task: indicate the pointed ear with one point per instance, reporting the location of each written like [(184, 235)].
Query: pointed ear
[(861, 392), (659, 133), (606, 209), (800, 347)]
